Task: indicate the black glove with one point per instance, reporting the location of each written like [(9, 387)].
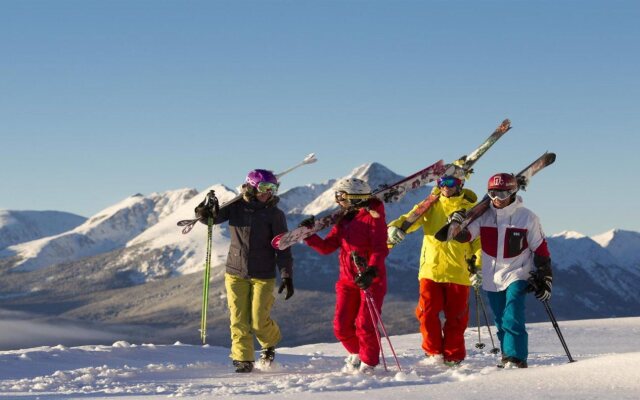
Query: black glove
[(208, 208), (364, 279), (471, 264), (307, 222), (541, 278), (286, 283), (457, 216)]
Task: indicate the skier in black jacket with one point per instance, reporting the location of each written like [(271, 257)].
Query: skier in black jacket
[(251, 267)]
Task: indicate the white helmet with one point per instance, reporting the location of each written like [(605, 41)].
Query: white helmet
[(352, 186)]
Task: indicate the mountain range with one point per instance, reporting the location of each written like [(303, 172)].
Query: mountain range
[(130, 268)]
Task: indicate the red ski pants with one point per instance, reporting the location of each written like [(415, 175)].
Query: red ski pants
[(352, 322), (453, 300)]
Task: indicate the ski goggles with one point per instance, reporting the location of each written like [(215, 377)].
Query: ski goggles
[(344, 196), (264, 187), (495, 194), (449, 181)]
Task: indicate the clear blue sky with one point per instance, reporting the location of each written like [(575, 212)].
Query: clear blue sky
[(103, 99)]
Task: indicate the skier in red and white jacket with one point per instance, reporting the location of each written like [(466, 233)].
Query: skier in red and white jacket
[(362, 230), (515, 260)]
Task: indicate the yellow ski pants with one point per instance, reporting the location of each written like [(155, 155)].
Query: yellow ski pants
[(250, 302)]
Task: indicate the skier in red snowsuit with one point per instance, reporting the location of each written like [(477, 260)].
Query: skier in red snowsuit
[(362, 230)]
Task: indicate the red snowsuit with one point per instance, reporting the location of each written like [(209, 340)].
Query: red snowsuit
[(366, 234)]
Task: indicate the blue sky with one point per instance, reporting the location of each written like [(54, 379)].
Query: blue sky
[(103, 99)]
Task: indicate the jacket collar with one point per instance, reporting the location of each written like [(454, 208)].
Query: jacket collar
[(510, 209), (255, 204), (465, 196)]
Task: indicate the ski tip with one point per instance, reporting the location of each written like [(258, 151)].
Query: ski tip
[(504, 126), (310, 159), (275, 242)]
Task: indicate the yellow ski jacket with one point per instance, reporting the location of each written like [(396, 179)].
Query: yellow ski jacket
[(443, 261)]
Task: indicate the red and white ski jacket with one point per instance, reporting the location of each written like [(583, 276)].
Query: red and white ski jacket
[(509, 237)]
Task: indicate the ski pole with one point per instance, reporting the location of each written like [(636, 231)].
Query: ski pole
[(375, 315), (554, 322), (384, 330), (211, 203), (494, 349), (205, 283), (375, 327), (473, 269), (479, 345)]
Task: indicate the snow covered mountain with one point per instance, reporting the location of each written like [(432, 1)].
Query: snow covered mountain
[(624, 245), (162, 251), (108, 230), (23, 226), (569, 249), (139, 269)]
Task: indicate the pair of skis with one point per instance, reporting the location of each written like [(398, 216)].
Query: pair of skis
[(188, 225), (388, 194), (523, 177), (394, 192), (463, 168)]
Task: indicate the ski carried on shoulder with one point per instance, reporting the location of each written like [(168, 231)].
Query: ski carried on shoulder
[(188, 224), (461, 169), (450, 231), (387, 193)]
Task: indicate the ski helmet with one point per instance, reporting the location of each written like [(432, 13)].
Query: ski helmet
[(502, 186), (354, 190), (260, 175), (502, 181), (262, 180), (352, 186)]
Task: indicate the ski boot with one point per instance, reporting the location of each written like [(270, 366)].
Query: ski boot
[(267, 356), (243, 366)]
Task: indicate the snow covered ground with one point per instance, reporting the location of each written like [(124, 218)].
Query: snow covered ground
[(607, 351)]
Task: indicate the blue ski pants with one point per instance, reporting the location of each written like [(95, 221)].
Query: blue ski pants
[(508, 308)]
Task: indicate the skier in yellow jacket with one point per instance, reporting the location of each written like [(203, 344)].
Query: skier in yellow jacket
[(443, 274)]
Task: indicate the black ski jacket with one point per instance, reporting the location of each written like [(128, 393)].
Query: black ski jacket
[(252, 225)]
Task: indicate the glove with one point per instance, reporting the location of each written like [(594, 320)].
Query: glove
[(471, 264), (307, 222), (395, 235), (364, 279), (541, 286), (208, 208), (457, 216), (541, 279), (203, 212), (288, 284), (476, 280)]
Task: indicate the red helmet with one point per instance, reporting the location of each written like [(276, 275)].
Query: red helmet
[(503, 181)]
